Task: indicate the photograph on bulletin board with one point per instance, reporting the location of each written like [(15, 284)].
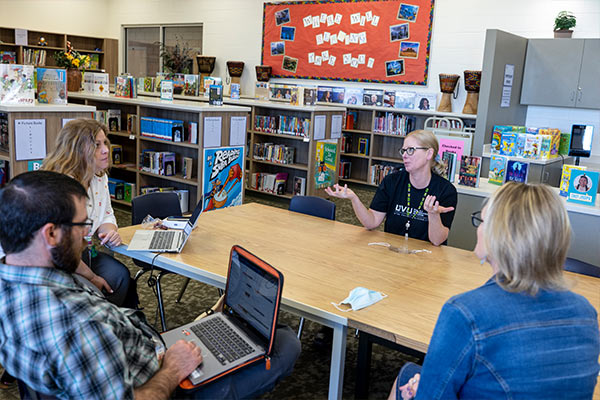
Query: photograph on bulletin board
[(348, 40)]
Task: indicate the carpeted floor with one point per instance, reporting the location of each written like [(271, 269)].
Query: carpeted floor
[(310, 378)]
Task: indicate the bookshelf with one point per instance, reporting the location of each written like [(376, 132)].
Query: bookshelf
[(105, 49), (53, 115), (383, 129), (133, 144)]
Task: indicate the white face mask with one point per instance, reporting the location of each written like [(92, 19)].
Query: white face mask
[(359, 298)]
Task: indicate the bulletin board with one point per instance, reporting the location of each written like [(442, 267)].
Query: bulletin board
[(385, 41)]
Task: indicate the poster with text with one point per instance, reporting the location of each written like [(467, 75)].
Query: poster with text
[(385, 41), (223, 177)]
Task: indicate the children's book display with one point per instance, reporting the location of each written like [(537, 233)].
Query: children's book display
[(17, 84), (125, 86), (566, 177), (526, 142), (470, 170), (497, 170), (51, 86), (96, 83), (517, 171), (583, 187)]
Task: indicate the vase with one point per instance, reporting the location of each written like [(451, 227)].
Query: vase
[(563, 33), (73, 80)]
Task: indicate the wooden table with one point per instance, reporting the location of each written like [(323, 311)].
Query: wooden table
[(323, 260)]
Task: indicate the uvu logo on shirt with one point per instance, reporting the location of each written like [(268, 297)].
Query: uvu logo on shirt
[(410, 212)]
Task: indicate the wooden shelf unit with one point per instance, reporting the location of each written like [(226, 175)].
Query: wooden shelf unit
[(383, 148), (108, 49), (134, 144)]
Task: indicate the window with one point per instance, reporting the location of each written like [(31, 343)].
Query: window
[(142, 50)]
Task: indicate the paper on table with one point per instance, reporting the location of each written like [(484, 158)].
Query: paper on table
[(320, 121), (237, 131), (30, 139), (212, 131), (336, 126)]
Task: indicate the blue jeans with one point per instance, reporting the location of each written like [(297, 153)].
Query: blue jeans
[(254, 380), (116, 275)]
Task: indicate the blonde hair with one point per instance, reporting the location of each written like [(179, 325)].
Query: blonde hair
[(74, 154), (527, 236), (429, 140)]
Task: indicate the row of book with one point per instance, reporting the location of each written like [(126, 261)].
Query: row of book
[(112, 119), (171, 130), (533, 143), (269, 183), (125, 86), (158, 162), (277, 153), (347, 145), (34, 57), (121, 190), (184, 195), (380, 171), (282, 124), (394, 124), (345, 169)]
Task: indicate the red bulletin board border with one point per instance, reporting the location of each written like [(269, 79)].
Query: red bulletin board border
[(415, 70)]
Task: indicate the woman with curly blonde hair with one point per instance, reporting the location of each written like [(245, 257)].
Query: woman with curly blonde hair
[(82, 152)]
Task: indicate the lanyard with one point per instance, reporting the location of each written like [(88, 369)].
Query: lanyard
[(415, 210)]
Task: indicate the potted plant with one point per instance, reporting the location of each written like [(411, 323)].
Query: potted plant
[(73, 62), (177, 59), (563, 23)]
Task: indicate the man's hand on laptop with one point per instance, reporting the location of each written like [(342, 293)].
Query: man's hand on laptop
[(182, 358)]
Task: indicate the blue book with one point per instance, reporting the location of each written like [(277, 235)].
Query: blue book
[(517, 171), (508, 144), (583, 187)]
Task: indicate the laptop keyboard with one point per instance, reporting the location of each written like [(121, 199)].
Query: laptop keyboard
[(222, 341), (162, 240)]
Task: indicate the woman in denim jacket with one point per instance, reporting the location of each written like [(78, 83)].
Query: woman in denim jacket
[(522, 334)]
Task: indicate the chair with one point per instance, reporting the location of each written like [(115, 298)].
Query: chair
[(317, 207), (158, 205), (581, 267)]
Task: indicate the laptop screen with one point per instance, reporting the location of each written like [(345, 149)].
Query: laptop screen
[(252, 294), (193, 219)]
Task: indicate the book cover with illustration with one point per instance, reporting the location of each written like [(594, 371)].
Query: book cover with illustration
[(215, 95), (583, 187), (449, 160), (178, 83), (566, 177), (17, 84), (470, 170), (354, 96), (508, 144), (52, 86), (372, 97), (497, 137), (326, 156), (405, 100), (299, 186), (517, 171), (533, 146), (222, 177), (190, 87), (497, 170)]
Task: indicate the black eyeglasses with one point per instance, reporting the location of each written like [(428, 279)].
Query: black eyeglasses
[(476, 219), (87, 223), (411, 150)]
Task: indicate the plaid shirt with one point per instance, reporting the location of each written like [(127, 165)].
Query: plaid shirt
[(64, 340)]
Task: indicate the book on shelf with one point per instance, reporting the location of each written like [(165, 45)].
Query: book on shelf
[(497, 172), (261, 91), (208, 82), (405, 100), (121, 190), (533, 145), (566, 177), (235, 91), (277, 153), (280, 183), (425, 101), (51, 86), (508, 144), (215, 95), (17, 84), (449, 160), (497, 132), (380, 171), (132, 123), (351, 119), (187, 169), (116, 153), (565, 141), (125, 86), (389, 99), (113, 119), (517, 171), (337, 94), (166, 90), (8, 57), (100, 116), (148, 84), (583, 187), (470, 170), (94, 61), (192, 136), (346, 145), (309, 96), (160, 76), (168, 164), (393, 123), (325, 94), (178, 83), (190, 86), (345, 169), (158, 162), (299, 186), (162, 128), (373, 97), (129, 193), (363, 146), (34, 57), (4, 132), (100, 83), (354, 96)]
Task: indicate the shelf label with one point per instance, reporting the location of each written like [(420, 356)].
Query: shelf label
[(30, 139)]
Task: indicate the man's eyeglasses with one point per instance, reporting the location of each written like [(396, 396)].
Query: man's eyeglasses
[(476, 219), (87, 223), (411, 150)]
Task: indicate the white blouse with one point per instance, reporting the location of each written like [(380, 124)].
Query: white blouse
[(99, 208)]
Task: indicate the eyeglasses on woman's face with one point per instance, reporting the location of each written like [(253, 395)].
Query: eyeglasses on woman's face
[(476, 219), (410, 150)]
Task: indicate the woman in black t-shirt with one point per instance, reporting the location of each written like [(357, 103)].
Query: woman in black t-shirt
[(415, 201)]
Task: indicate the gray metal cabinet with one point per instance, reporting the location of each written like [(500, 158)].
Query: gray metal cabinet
[(562, 73), (589, 78)]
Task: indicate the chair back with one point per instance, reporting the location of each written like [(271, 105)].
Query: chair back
[(581, 267), (157, 204), (312, 205)]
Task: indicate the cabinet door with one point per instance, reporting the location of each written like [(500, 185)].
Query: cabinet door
[(552, 72), (589, 78)]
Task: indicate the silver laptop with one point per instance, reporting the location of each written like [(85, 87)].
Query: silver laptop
[(245, 331), (171, 241)]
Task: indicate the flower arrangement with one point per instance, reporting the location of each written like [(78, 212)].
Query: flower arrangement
[(177, 59), (71, 59)]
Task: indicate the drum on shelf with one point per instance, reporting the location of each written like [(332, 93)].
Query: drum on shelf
[(472, 85), (263, 73), (235, 69), (448, 85), (206, 66)]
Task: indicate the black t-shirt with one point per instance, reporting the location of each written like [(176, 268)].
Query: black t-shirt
[(392, 197)]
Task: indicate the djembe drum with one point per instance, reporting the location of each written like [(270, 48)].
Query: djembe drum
[(206, 65), (235, 69), (263, 73), (448, 85), (472, 85)]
